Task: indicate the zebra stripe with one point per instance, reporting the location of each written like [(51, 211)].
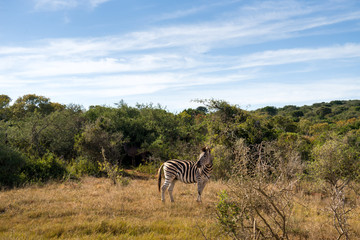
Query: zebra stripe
[(186, 172)]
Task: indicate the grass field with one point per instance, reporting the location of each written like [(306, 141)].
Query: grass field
[(94, 208)]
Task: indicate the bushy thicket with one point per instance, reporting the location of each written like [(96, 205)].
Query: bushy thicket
[(11, 162), (42, 140), (17, 169)]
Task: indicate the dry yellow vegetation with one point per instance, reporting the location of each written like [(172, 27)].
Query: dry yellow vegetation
[(94, 208)]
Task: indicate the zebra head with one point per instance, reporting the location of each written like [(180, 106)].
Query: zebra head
[(205, 158)]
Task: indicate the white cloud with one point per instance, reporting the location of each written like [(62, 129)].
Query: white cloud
[(180, 13), (34, 66), (80, 58), (56, 5), (95, 3), (261, 94), (288, 56), (72, 58), (260, 25), (239, 30)]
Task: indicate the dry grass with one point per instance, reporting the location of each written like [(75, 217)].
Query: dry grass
[(94, 208), (312, 218)]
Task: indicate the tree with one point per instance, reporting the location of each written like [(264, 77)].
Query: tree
[(36, 134), (97, 137), (33, 103), (4, 107), (4, 101), (59, 136), (272, 111), (335, 161), (323, 111), (284, 124)]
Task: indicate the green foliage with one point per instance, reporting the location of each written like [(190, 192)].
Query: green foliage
[(270, 110), (223, 159), (11, 162), (4, 101), (49, 167), (59, 136), (32, 103), (151, 166), (98, 135), (284, 124), (112, 170), (135, 136), (16, 169), (81, 166), (228, 214), (336, 160), (333, 111), (4, 107), (37, 134)]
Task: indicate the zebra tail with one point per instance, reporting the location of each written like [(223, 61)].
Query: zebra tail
[(159, 176)]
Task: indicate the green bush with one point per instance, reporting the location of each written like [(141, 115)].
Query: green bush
[(223, 159), (228, 214), (83, 166), (335, 160), (49, 167), (150, 167), (11, 162)]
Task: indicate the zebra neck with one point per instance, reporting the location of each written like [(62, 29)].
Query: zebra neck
[(208, 168), (205, 170)]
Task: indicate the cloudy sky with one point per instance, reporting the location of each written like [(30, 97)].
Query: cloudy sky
[(250, 53)]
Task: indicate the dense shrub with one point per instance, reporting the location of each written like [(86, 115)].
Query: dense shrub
[(16, 169), (222, 160), (82, 166), (336, 160), (49, 167), (11, 162)]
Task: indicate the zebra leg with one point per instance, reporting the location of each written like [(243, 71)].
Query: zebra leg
[(165, 186), (171, 190), (201, 186), (163, 189)]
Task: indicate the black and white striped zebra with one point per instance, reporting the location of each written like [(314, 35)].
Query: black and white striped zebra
[(186, 172)]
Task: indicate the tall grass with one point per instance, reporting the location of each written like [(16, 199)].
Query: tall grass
[(94, 208)]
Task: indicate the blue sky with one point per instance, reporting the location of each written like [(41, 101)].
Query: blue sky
[(250, 53)]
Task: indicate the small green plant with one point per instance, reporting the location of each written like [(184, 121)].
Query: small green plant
[(228, 214), (112, 170), (150, 167)]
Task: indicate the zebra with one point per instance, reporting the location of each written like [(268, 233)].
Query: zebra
[(187, 172)]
